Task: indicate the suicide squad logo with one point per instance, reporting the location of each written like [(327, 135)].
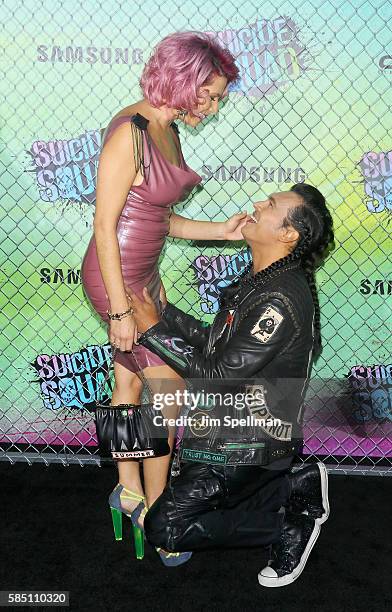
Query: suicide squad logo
[(74, 380), (376, 170), (371, 392), (215, 273), (270, 54), (66, 170)]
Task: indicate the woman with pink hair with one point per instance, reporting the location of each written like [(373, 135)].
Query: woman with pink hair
[(141, 174)]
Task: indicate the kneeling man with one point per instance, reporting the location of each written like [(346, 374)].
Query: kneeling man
[(238, 491)]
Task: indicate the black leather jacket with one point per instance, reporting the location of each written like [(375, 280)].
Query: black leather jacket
[(260, 341)]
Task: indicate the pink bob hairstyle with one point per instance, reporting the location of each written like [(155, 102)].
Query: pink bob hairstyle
[(182, 63)]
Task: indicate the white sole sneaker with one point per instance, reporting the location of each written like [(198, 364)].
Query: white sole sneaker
[(268, 577), (324, 492)]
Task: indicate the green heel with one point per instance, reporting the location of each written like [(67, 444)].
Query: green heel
[(117, 523), (120, 493), (138, 538)]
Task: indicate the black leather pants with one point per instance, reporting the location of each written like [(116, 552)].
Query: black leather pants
[(209, 506)]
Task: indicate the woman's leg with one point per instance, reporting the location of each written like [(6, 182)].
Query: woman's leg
[(161, 379), (127, 390)]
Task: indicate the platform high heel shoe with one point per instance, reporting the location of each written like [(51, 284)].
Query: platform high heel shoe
[(171, 559), (119, 494)]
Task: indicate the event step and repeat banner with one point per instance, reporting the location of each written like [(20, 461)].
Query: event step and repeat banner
[(312, 105)]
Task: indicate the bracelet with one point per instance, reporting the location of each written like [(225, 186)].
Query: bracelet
[(118, 316)]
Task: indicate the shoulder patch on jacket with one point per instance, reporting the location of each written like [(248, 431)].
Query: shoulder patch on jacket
[(267, 324)]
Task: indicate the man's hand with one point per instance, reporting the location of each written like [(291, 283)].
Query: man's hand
[(232, 227), (145, 312)]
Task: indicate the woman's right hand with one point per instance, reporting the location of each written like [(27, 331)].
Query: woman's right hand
[(123, 334)]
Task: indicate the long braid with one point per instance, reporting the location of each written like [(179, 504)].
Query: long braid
[(314, 224), (296, 254), (310, 277), (263, 275)]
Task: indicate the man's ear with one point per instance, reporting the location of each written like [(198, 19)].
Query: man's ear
[(288, 235)]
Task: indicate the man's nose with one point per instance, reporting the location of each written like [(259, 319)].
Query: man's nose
[(260, 204)]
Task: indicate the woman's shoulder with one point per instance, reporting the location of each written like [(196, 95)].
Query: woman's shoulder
[(134, 114), (130, 114)]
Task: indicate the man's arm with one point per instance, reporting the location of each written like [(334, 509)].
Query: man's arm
[(265, 331), (179, 323)]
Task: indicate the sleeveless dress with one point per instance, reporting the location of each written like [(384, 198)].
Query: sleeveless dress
[(142, 228)]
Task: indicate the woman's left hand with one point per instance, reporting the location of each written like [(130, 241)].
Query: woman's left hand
[(145, 312), (232, 227)]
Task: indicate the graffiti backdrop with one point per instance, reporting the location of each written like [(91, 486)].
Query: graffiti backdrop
[(312, 104)]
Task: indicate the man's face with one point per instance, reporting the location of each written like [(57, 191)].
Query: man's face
[(265, 225), (210, 96)]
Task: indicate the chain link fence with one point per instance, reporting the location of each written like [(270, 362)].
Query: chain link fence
[(311, 106)]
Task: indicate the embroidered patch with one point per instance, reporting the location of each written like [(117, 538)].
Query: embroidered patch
[(274, 427), (190, 454), (267, 325), (200, 424)]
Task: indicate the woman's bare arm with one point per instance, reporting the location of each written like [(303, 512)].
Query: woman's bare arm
[(116, 175), (181, 227)]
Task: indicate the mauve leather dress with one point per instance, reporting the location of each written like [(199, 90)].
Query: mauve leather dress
[(142, 228)]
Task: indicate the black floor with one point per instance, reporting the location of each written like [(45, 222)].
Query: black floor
[(57, 534)]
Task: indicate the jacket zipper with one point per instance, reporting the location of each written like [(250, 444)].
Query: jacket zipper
[(228, 309), (210, 338)]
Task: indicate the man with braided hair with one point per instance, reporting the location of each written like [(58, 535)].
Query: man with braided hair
[(235, 488)]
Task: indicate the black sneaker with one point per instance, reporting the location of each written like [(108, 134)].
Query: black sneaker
[(309, 492), (290, 553)]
